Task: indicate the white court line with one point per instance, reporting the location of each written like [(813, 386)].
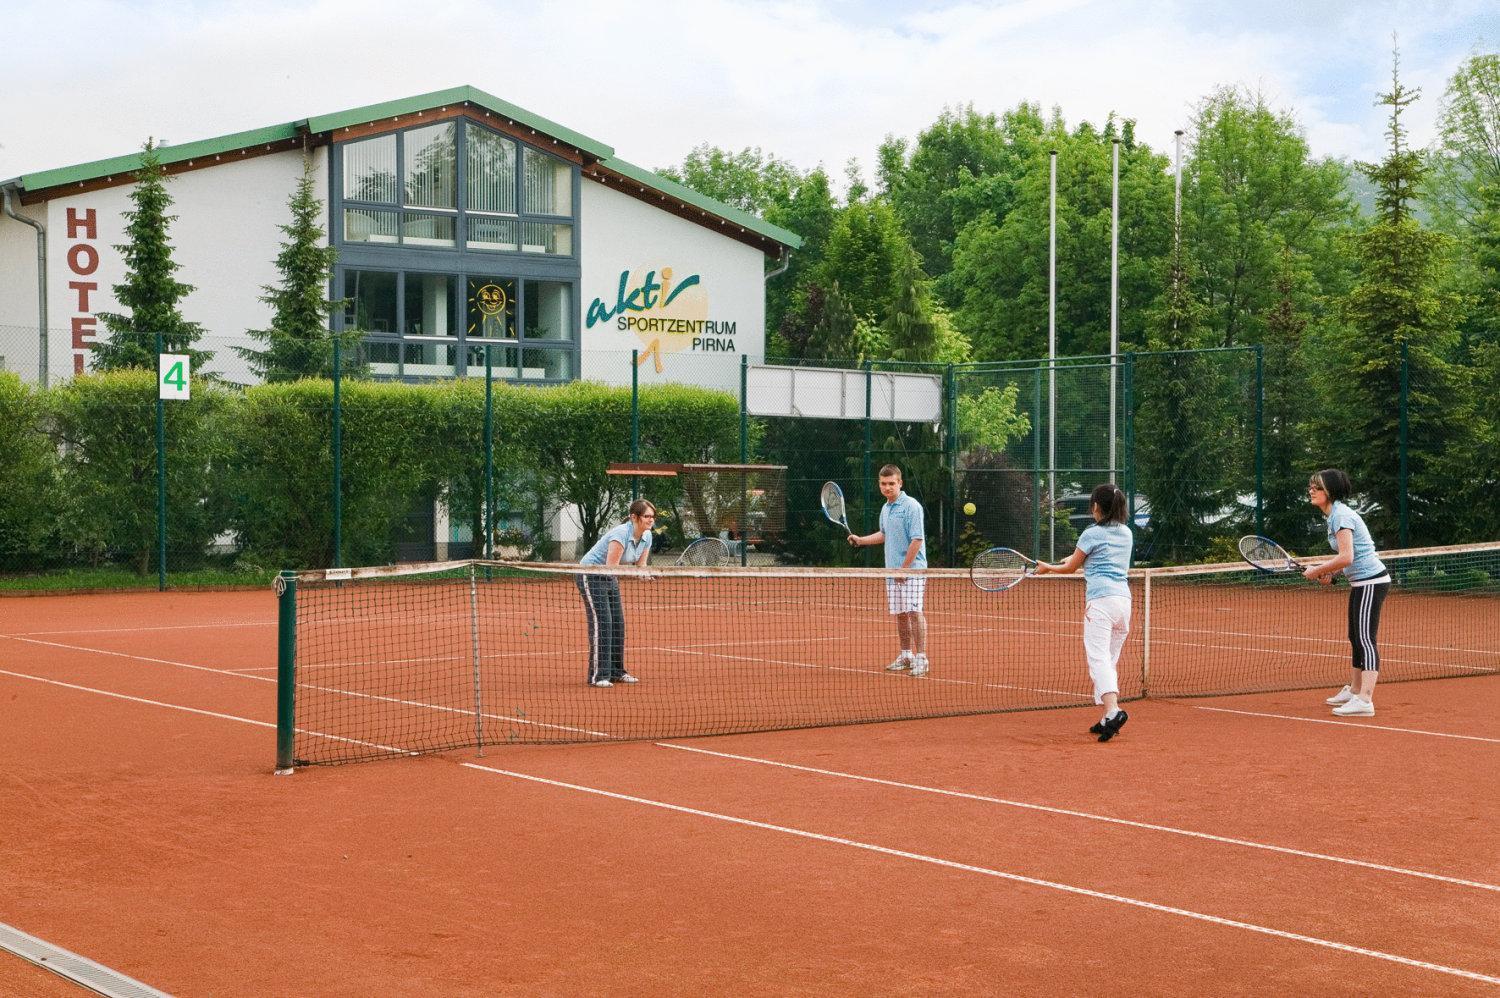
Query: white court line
[(1346, 724), (195, 710), (212, 624), (1000, 874), (309, 686), (881, 673), (1091, 817)]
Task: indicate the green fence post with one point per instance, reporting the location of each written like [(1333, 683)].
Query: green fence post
[(635, 421), (744, 458), (338, 458), (869, 446), (950, 454), (1260, 439), (1036, 465), (1129, 392), (1404, 525), (489, 456), (286, 669), (161, 480)]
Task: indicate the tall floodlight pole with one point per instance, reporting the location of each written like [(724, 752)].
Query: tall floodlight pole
[(1052, 361), (1177, 211), (1114, 303)]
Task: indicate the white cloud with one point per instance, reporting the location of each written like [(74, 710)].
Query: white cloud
[(810, 81)]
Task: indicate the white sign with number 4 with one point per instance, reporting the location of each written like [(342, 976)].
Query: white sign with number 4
[(174, 376)]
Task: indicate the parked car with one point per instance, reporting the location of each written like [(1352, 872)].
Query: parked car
[(1081, 517)]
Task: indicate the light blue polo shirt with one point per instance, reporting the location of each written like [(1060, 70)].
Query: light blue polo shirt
[(901, 520), (1365, 565), (1107, 567), (633, 549)]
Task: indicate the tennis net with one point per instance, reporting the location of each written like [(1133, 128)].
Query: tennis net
[(424, 658)]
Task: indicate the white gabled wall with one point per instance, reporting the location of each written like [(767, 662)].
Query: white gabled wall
[(225, 238), (622, 234)]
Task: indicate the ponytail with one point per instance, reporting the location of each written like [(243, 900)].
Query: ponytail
[(1111, 502)]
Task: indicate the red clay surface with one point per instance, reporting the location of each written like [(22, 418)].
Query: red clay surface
[(154, 839)]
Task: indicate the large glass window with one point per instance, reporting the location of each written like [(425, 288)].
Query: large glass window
[(514, 199), (549, 311), (549, 185), (370, 170), (491, 308), (430, 309), (491, 172), (361, 225), (371, 301), (431, 166)]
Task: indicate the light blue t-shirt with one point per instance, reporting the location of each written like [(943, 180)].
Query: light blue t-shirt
[(1365, 565), (1107, 567), (633, 549), (901, 520)]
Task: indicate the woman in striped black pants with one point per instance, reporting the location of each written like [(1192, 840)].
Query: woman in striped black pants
[(1369, 582)]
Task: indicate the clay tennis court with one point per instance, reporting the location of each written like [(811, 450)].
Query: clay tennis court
[(1238, 844)]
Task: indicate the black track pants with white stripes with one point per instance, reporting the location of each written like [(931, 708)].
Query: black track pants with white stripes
[(1364, 623), (606, 622)]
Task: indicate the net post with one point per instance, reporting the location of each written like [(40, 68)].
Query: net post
[(1146, 640), (161, 482), (474, 640), (286, 669)]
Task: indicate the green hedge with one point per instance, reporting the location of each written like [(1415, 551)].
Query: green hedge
[(105, 429), (29, 497), (256, 466)]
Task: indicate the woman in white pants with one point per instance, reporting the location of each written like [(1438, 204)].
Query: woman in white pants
[(1104, 552)]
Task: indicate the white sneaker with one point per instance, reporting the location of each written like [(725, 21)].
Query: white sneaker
[(1342, 696), (902, 663), (1356, 707), (626, 677), (601, 682), (919, 666)]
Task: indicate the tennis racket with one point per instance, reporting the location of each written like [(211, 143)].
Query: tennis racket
[(1266, 555), (833, 505), (998, 569), (708, 552)]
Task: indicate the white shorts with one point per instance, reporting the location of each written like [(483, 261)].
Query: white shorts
[(905, 595), (1106, 623)]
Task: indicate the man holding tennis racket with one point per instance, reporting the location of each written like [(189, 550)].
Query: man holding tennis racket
[(1104, 552), (904, 534)]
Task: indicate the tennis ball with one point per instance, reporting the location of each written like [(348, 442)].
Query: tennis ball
[(968, 509)]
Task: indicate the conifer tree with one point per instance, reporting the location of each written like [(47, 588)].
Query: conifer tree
[(151, 293), (1396, 304), (299, 342)]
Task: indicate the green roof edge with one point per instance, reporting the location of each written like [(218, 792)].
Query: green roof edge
[(169, 154), (743, 219), (318, 124), (458, 95)]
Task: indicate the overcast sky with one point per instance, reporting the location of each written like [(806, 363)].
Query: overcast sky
[(812, 81)]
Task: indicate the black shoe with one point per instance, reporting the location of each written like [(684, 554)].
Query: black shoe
[(1112, 726), (1097, 728)]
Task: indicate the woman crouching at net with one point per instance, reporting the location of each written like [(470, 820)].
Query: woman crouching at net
[(1368, 584), (627, 544), (1104, 552)]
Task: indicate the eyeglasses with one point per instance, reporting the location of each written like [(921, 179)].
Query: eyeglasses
[(1316, 488)]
